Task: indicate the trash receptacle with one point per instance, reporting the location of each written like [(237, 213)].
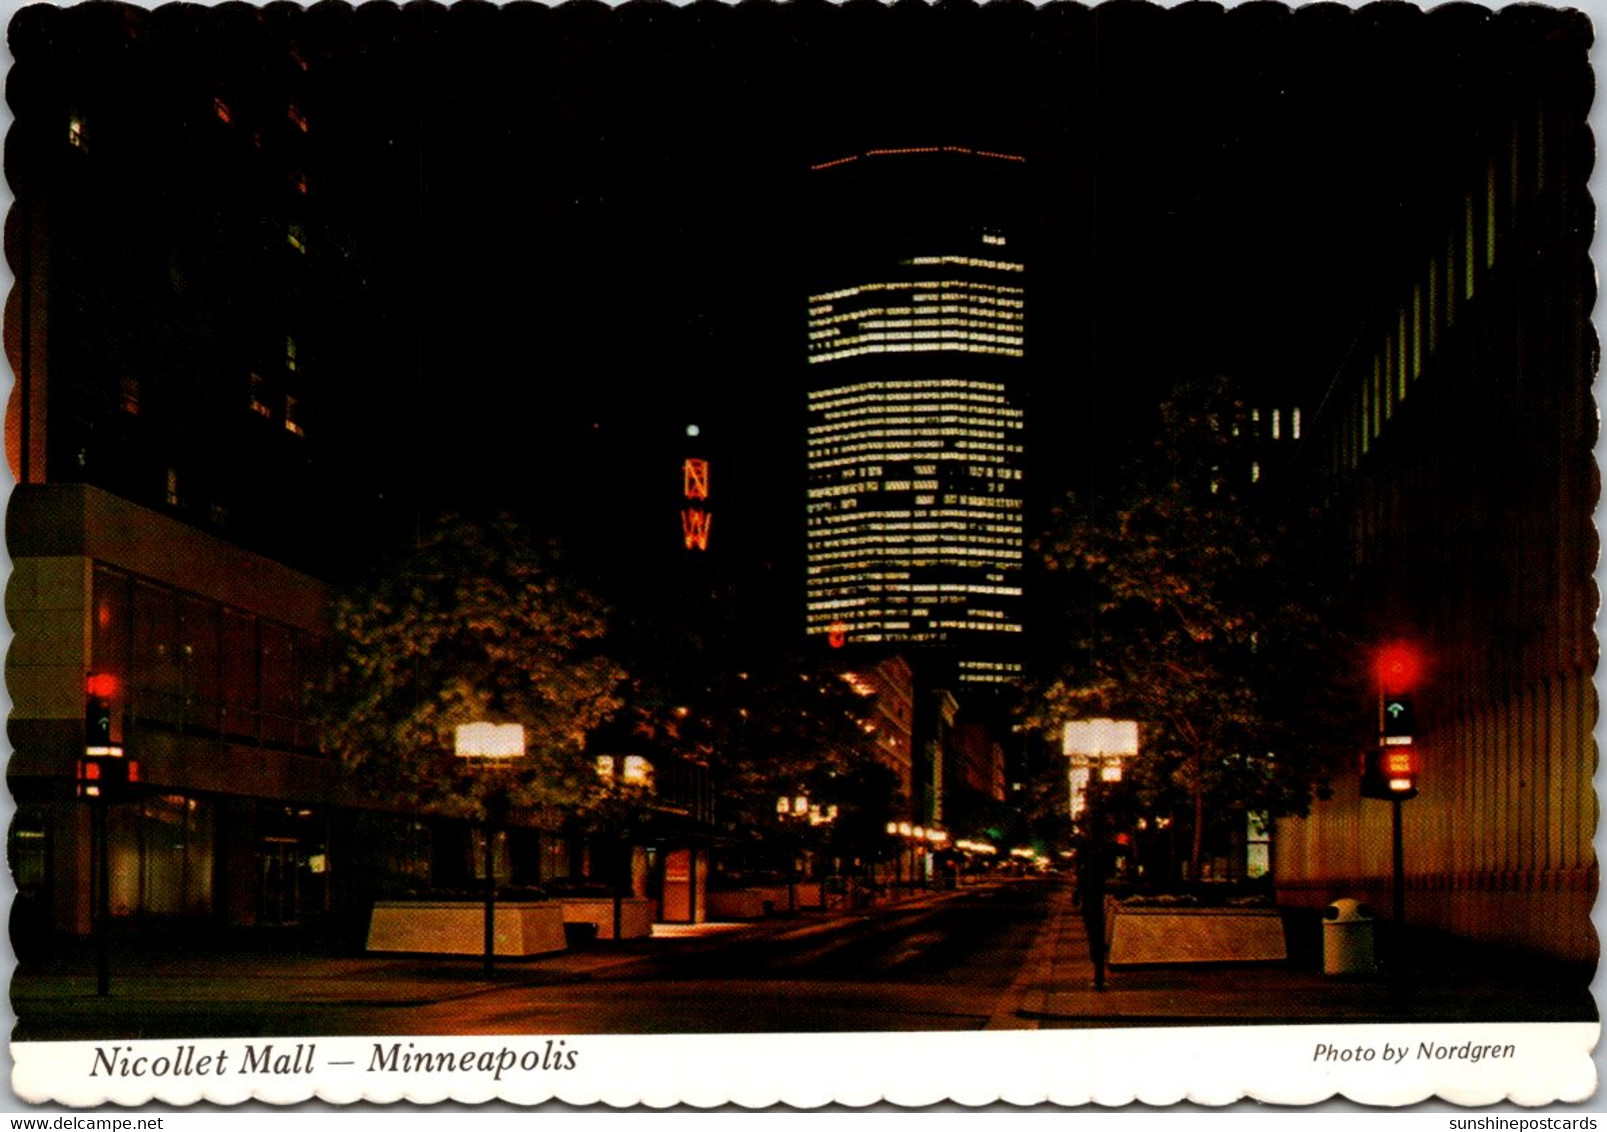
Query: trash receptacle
[(1347, 938)]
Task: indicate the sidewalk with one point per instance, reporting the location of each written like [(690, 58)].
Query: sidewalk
[(1441, 982), (176, 988)]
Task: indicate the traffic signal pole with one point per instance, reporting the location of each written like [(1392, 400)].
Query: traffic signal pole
[(1398, 852), (1390, 771), (103, 902)]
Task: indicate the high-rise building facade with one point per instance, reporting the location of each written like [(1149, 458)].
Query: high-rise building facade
[(1463, 428), (915, 435)]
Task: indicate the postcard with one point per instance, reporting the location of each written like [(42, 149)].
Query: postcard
[(801, 554)]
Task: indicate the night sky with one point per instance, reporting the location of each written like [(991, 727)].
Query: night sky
[(571, 232), (612, 208)]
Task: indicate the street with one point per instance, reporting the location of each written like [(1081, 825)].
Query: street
[(943, 966), (943, 962)]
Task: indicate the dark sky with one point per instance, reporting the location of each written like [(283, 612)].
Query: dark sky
[(571, 231), (615, 204)]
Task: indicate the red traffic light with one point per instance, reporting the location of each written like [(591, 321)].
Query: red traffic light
[(1389, 773), (102, 685), (1398, 667)]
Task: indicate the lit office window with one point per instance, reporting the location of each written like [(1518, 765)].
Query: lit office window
[(259, 396)]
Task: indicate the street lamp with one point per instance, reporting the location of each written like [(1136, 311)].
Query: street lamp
[(624, 776), (794, 813), (492, 745), (1097, 749)]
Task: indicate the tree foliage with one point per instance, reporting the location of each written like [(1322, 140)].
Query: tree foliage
[(477, 623), (767, 720), (1209, 605)]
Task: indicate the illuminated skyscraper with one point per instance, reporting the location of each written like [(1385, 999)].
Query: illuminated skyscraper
[(917, 337)]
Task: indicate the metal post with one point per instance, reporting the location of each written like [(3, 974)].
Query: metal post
[(622, 865), (490, 899), (103, 902), (1397, 845), (792, 875)]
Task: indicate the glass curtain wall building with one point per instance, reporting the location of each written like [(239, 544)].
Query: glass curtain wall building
[(915, 433)]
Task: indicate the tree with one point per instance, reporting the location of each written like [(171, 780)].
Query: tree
[(476, 623), (1209, 607), (715, 682)]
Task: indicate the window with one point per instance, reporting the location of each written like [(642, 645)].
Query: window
[(297, 118), (75, 132), (130, 395), (292, 416), (290, 353), (295, 237), (172, 492), (161, 856), (221, 109), (259, 396)]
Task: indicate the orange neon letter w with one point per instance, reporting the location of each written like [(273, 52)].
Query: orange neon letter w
[(695, 528)]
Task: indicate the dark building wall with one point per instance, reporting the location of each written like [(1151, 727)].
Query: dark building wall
[(1464, 428)]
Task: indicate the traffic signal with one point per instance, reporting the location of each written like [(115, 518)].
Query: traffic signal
[(1399, 722), (104, 771), (1389, 773), (98, 710), (1398, 668)]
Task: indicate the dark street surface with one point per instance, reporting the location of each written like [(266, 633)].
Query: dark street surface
[(1011, 955)]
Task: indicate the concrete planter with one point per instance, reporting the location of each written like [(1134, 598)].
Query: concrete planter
[(457, 927), (736, 904), (761, 900), (635, 915), (1140, 935)]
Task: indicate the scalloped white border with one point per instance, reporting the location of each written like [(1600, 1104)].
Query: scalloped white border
[(1549, 1062), (1214, 1066)]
